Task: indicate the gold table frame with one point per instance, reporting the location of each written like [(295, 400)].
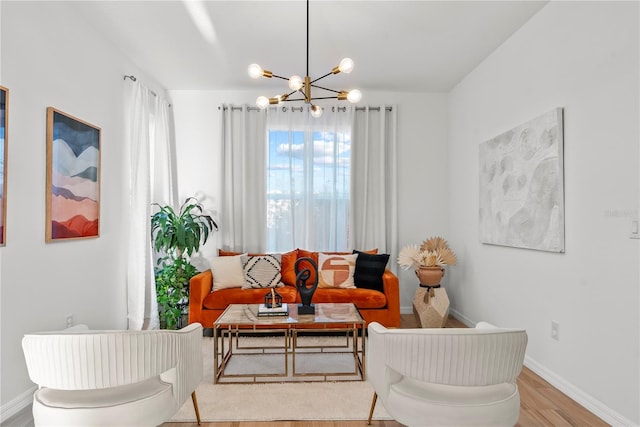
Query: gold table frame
[(239, 320)]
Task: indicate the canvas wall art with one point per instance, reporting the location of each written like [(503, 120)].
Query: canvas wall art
[(4, 138), (522, 186), (73, 178)]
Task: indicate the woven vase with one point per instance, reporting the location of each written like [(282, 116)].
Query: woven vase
[(429, 276)]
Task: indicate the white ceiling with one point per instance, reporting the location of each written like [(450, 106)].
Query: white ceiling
[(396, 45)]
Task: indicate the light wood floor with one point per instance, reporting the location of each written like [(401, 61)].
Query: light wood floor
[(540, 404)]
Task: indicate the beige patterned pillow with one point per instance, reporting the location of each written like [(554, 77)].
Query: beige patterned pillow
[(262, 271), (336, 271)]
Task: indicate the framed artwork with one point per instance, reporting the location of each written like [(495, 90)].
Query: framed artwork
[(73, 178), (4, 138), (522, 186)]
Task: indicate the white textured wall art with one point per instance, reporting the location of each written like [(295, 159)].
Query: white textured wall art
[(522, 186)]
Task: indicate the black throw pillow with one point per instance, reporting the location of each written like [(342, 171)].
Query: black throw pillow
[(369, 270)]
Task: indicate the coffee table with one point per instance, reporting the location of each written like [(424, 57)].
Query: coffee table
[(241, 321)]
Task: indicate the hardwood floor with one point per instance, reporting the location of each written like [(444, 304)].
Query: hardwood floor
[(540, 404)]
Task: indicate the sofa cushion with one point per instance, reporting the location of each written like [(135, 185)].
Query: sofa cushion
[(362, 298), (369, 270), (220, 300), (262, 271), (336, 271), (227, 272)]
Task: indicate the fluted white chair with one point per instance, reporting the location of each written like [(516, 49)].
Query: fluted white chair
[(113, 378), (446, 377)]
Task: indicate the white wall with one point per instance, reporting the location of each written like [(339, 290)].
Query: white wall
[(50, 57), (422, 155), (582, 56)]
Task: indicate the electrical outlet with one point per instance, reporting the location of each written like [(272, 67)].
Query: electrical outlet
[(69, 319), (555, 330)]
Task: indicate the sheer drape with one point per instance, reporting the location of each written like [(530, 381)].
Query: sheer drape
[(152, 179), (374, 204), (316, 193), (243, 179), (308, 178)]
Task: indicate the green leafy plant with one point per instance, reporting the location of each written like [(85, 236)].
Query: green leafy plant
[(176, 236)]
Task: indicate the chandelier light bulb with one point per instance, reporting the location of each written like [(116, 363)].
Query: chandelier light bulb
[(255, 71), (262, 102), (316, 111), (354, 96), (346, 65), (295, 82)]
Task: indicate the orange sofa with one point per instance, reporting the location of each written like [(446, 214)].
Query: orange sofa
[(383, 307)]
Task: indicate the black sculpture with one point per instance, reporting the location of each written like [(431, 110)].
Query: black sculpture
[(306, 292)]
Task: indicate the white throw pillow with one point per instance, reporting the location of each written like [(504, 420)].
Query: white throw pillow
[(336, 271), (227, 272)]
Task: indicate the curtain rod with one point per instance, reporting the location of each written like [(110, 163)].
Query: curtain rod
[(249, 108), (133, 79)]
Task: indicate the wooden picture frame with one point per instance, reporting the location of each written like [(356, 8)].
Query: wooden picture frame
[(4, 143), (73, 178)]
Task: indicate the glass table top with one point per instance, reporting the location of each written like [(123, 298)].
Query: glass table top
[(325, 314)]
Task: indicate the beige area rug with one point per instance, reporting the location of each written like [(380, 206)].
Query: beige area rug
[(293, 399)]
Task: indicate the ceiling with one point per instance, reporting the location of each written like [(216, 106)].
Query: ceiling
[(396, 45)]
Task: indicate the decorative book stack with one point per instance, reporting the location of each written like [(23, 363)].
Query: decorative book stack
[(282, 310)]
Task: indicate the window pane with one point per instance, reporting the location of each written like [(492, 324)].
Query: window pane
[(308, 189)]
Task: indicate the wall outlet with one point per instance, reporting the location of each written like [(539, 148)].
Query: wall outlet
[(69, 319), (555, 330)]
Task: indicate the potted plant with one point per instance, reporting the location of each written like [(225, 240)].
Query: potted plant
[(176, 236), (428, 260)]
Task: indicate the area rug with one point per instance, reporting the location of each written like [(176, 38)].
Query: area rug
[(288, 400)]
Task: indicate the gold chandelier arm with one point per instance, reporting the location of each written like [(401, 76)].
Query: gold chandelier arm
[(326, 88), (322, 77), (279, 77), (325, 97)]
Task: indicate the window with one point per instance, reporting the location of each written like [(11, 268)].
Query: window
[(308, 186)]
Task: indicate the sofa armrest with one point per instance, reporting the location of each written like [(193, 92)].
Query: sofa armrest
[(391, 287), (200, 286)]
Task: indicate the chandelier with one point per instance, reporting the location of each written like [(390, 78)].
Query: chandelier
[(300, 86)]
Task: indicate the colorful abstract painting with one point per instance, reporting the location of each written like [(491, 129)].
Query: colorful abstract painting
[(73, 178), (4, 104)]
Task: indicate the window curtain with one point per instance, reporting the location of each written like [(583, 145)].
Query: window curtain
[(152, 178), (374, 195), (372, 209), (309, 173), (242, 215)]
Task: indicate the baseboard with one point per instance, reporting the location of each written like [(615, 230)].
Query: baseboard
[(591, 404), (17, 404), (406, 310), (461, 317)]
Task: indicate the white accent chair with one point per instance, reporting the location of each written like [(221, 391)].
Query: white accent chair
[(113, 378), (446, 377)]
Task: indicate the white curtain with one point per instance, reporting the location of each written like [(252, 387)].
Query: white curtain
[(242, 176), (308, 178), (374, 195), (369, 218), (152, 178)]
